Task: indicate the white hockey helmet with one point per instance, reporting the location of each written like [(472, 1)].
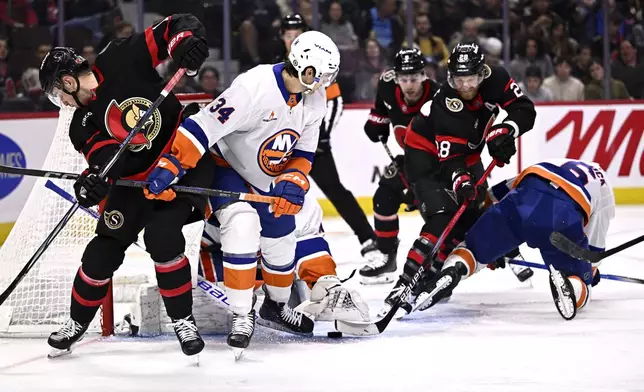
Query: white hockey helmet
[(317, 50)]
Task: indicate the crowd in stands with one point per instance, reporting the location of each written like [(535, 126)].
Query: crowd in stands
[(555, 55)]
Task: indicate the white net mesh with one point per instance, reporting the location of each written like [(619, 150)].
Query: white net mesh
[(40, 303)]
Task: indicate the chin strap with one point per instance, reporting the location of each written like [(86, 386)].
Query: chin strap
[(75, 93)]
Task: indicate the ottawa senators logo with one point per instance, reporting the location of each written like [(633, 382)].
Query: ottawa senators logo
[(274, 153), (121, 118)]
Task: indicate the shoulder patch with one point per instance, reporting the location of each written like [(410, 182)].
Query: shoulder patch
[(388, 76), (454, 104)]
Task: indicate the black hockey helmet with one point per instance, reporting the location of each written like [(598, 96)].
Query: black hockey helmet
[(466, 60), (293, 22), (409, 61), (58, 62)]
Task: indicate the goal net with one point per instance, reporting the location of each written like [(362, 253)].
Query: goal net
[(40, 303)]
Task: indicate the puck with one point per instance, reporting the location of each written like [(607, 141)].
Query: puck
[(334, 334)]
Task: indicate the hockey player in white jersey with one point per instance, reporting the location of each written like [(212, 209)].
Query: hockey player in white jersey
[(319, 290), (263, 131), (568, 196)]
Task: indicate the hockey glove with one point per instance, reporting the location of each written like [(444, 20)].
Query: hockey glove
[(188, 51), (500, 143), (463, 186), (167, 172), (377, 127), (90, 189), (290, 188)]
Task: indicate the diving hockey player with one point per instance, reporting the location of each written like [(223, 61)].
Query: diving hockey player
[(264, 131), (568, 196), (443, 146), (324, 172), (402, 91), (319, 290), (110, 97)]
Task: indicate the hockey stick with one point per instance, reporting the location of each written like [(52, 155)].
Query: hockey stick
[(393, 160), (141, 184), (104, 170), (374, 328), (572, 249), (618, 278)]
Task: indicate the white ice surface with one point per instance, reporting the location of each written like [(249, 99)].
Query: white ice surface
[(495, 335)]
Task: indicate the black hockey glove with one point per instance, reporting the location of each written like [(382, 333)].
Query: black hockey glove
[(377, 127), (500, 143), (90, 189), (463, 186), (188, 51)]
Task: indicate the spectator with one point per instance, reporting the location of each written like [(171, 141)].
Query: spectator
[(629, 70), (615, 37), (338, 28), (530, 51), (47, 11), (538, 19), (259, 34), (429, 44), (533, 87), (18, 14), (493, 51), (563, 85), (581, 63), (4, 64), (371, 66), (90, 54), (469, 33), (595, 88), (446, 17), (383, 25), (431, 68), (560, 43), (30, 80), (209, 80)]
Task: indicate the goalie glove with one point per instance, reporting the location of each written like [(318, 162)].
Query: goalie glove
[(330, 301)]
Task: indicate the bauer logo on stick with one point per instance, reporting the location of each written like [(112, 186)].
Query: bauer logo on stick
[(121, 118), (274, 153), (113, 219)]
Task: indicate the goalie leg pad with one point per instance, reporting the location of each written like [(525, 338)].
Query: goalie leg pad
[(103, 255), (313, 259), (240, 233)]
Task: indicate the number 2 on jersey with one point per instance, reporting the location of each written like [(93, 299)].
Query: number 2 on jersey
[(224, 112)]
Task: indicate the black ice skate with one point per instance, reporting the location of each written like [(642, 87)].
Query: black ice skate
[(563, 294), (441, 288), (380, 267), (392, 298), (188, 335), (242, 331), (63, 340), (282, 317)]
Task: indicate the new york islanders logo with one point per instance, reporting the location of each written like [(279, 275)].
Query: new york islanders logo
[(121, 118), (274, 153)]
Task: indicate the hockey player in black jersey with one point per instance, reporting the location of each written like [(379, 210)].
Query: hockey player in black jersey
[(402, 91), (110, 97), (443, 146), (324, 172)]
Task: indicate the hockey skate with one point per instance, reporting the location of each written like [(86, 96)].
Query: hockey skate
[(441, 288), (281, 317), (380, 267), (330, 301), (392, 298), (563, 294), (242, 331), (63, 340), (188, 335)]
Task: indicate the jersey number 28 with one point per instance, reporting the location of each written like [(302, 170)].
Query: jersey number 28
[(224, 112)]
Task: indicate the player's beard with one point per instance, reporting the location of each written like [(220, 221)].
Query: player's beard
[(469, 94)]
